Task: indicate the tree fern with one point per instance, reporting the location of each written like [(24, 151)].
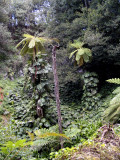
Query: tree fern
[(81, 54)]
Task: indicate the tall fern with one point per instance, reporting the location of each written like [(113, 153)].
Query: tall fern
[(112, 113)]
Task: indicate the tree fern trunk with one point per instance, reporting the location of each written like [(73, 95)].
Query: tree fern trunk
[(56, 83)]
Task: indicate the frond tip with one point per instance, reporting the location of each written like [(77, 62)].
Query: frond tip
[(114, 80)]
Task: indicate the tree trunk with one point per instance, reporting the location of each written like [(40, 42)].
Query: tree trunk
[(56, 83)]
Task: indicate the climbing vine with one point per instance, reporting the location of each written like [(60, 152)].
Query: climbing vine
[(90, 98)]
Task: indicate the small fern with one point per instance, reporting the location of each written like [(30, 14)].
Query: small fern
[(114, 80), (45, 137)]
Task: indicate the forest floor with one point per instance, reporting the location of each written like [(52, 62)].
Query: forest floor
[(1, 95), (105, 147)]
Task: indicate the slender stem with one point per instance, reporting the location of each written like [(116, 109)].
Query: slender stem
[(56, 83)]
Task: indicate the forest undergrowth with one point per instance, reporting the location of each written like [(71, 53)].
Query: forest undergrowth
[(80, 125)]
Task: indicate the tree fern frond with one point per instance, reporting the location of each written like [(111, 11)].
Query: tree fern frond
[(116, 91), (115, 100), (72, 132), (77, 44), (112, 113), (46, 136), (32, 43), (114, 80), (72, 53), (28, 36), (81, 54), (21, 42), (52, 134)]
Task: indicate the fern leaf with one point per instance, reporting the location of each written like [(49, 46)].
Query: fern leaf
[(80, 51), (28, 36), (112, 113), (24, 49), (72, 132), (32, 43), (72, 53), (85, 57), (114, 80), (88, 52), (116, 91), (77, 44), (52, 134), (21, 42)]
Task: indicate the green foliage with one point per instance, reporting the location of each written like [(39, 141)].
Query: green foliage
[(6, 43), (112, 113), (81, 130), (12, 147), (71, 92), (63, 153), (68, 113), (31, 45), (114, 80), (46, 138), (90, 98), (81, 54)]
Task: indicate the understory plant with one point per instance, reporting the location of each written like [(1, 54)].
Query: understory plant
[(112, 113), (41, 139)]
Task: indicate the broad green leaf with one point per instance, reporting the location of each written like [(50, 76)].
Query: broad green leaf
[(77, 57), (40, 47), (24, 40), (81, 51), (77, 44), (32, 43), (28, 36), (85, 57), (24, 49), (42, 39), (88, 52), (71, 54)]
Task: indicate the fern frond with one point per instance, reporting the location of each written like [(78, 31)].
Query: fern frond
[(116, 91), (53, 134), (112, 113), (27, 36), (46, 137), (114, 80), (81, 54), (72, 132)]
